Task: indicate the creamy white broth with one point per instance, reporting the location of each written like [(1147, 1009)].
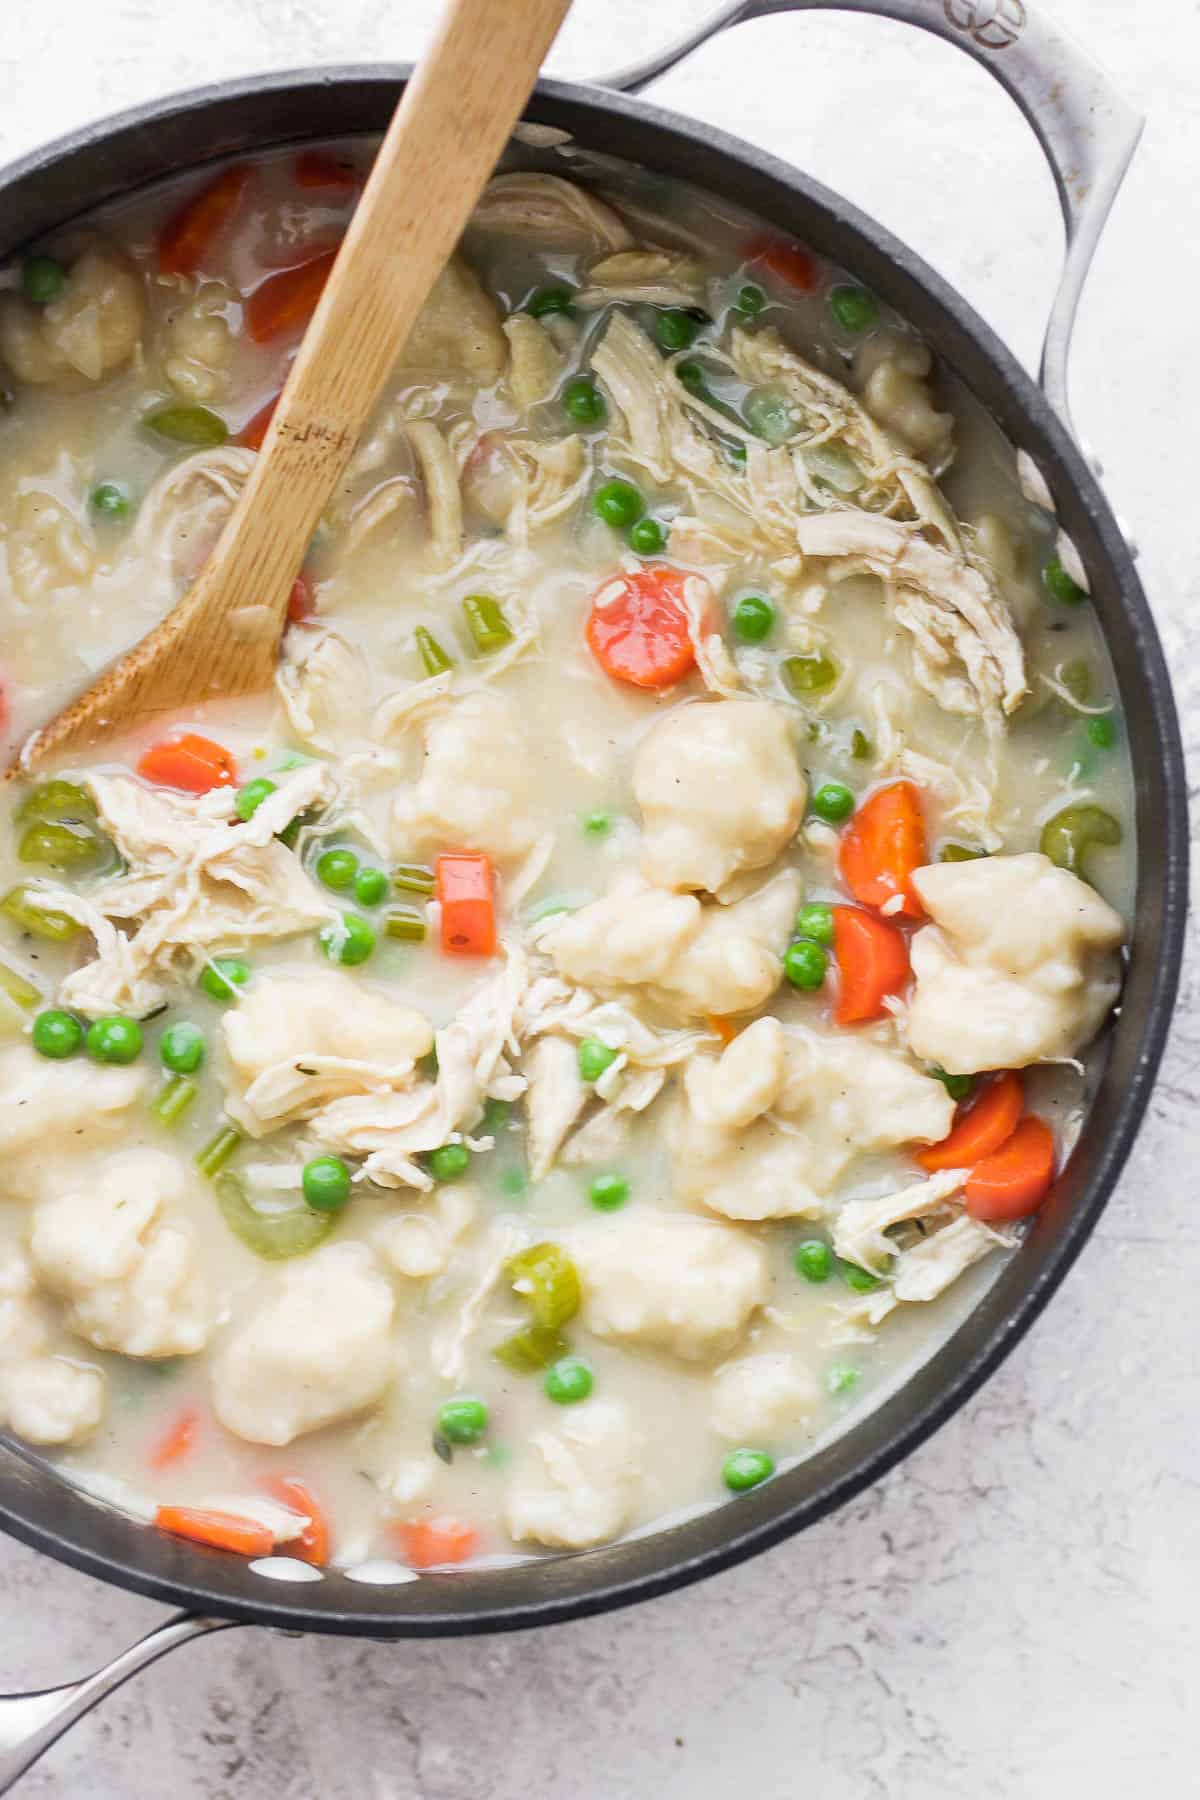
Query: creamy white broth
[(75, 587)]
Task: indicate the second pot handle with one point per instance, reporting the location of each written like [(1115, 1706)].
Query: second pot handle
[(1088, 133)]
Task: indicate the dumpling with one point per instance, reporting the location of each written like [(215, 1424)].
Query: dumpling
[(476, 784), (458, 328), (65, 1105), (93, 326), (721, 791), (683, 1285), (317, 1350), (115, 1247), (586, 1487), (51, 1400), (1017, 966), (763, 1398)]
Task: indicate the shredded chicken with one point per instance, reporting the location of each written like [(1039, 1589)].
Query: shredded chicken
[(547, 209)]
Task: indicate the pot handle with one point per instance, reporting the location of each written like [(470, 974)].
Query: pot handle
[(1088, 133), (30, 1723)]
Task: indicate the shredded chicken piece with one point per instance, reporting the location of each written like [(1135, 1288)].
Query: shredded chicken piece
[(186, 509), (325, 687), (536, 363), (860, 1227), (547, 209), (645, 277), (440, 476)]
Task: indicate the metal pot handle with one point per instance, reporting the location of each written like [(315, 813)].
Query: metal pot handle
[(1088, 133), (30, 1723)]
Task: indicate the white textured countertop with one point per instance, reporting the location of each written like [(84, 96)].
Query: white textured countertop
[(1013, 1614)]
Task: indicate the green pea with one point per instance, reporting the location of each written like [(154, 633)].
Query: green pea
[(56, 1034), (533, 1347), (750, 300), (959, 1087), (182, 1047), (43, 279), (691, 376), (405, 924), (597, 824), (23, 906), (805, 964), (370, 887), (814, 1260), (746, 1469), (547, 1278), (841, 1377), (676, 329), (815, 921), (114, 1040), (853, 308), (109, 500), (489, 628), (434, 659), (957, 853), (497, 1116), (251, 797), (462, 1420), (860, 746), (583, 401), (770, 417), (222, 976), (608, 1192), (513, 1183), (336, 869), (1069, 837), (173, 1099), (325, 1183), (618, 503), (833, 802), (1102, 731), (646, 537), (197, 426), (594, 1058), (753, 619), (546, 300), (812, 674), (568, 1381), (350, 941), (448, 1162), (858, 1280), (1061, 586)]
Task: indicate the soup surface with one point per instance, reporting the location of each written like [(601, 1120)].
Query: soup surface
[(598, 1023)]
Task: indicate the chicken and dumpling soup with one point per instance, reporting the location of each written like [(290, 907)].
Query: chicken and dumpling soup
[(604, 1017)]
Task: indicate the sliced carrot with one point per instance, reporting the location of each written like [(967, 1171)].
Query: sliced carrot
[(872, 960), (465, 891), (638, 627), (312, 1544), (287, 301), (987, 1122), (251, 436), (790, 261), (428, 1542), (721, 1027), (1014, 1180), (176, 1441), (303, 602), (318, 169), (882, 847), (190, 233), (225, 1531), (190, 762)]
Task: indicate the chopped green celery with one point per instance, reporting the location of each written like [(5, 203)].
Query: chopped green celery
[(1069, 837), (405, 923), (59, 845), (413, 878), (57, 800), (218, 1150), (813, 674), (22, 993), (1078, 679), (549, 1281), (434, 659), (534, 1347), (179, 424), (833, 464), (953, 853), (272, 1235), (489, 628), (769, 416), (20, 904), (173, 1099), (860, 746)]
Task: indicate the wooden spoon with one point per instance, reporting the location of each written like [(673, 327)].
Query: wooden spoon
[(222, 639)]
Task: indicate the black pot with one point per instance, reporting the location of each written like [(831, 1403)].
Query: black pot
[(158, 140)]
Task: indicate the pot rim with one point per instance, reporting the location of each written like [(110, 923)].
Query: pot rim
[(111, 1547)]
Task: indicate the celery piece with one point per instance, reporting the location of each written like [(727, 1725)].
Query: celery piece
[(275, 1235), (549, 1281)]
